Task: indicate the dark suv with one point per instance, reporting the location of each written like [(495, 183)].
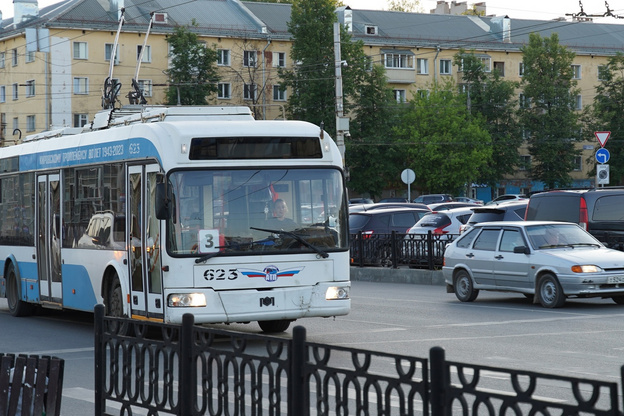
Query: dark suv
[(510, 211), (599, 211)]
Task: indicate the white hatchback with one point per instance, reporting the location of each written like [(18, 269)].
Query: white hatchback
[(544, 260)]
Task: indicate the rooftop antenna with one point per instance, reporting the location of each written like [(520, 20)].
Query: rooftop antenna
[(136, 95), (111, 88)]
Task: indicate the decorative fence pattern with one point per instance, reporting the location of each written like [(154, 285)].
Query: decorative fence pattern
[(423, 251), (188, 370)]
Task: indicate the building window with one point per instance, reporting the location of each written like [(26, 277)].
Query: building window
[(399, 60), (525, 162), (15, 92), (145, 85), (80, 50), (108, 51), (371, 30), (487, 63), (446, 66), (250, 58), (14, 57), (399, 95), (422, 93), (30, 88), (521, 69), (576, 72), (249, 91), (579, 102), (160, 18), (30, 56), (224, 90), (81, 85), (80, 120), (2, 94), (578, 163), (30, 123), (279, 93), (147, 55), (500, 67), (603, 72), (279, 59), (524, 101), (223, 57), (2, 59), (422, 66)]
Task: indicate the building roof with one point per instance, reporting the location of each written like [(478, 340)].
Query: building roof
[(392, 29)]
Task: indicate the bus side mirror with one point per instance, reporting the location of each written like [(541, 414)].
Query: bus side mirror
[(162, 202)]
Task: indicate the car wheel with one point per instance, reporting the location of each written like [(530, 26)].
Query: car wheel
[(550, 292), (274, 326), (618, 299), (464, 288), (17, 307)]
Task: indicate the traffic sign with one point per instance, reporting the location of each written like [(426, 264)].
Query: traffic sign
[(408, 176), (602, 155), (602, 174), (602, 137)]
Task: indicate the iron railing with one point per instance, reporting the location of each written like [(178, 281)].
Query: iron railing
[(162, 369)]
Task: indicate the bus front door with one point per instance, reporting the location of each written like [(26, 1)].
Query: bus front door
[(49, 239), (144, 248)]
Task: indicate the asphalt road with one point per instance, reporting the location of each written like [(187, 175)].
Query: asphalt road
[(585, 338)]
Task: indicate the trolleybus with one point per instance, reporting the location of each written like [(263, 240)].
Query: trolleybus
[(160, 211)]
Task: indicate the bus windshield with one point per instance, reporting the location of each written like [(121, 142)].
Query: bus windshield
[(255, 211)]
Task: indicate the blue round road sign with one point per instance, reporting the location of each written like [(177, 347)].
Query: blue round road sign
[(602, 155)]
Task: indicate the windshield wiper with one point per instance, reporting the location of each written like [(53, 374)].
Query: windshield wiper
[(208, 256), (296, 237)]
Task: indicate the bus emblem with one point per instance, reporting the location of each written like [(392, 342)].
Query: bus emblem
[(271, 273)]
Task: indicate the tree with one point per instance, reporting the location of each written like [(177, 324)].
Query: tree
[(491, 97), (193, 74), (442, 142), (605, 114), (547, 112), (373, 159), (405, 6), (312, 80)]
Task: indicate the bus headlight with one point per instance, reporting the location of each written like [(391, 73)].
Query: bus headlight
[(187, 300), (336, 293)]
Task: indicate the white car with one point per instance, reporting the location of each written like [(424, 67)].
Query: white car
[(544, 260), (442, 222)]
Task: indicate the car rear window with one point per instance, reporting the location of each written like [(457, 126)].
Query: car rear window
[(609, 208), (559, 207), (357, 221), (404, 219), (434, 220), (487, 216)]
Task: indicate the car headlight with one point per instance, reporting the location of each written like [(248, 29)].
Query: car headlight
[(586, 268), (337, 292), (186, 299)]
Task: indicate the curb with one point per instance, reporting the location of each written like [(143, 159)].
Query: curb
[(414, 276)]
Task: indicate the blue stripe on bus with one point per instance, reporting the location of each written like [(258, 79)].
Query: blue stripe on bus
[(77, 288), (135, 148)]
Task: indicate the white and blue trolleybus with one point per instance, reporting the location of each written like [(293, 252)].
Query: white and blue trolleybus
[(160, 211)]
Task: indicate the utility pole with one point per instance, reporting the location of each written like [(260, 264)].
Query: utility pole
[(342, 123)]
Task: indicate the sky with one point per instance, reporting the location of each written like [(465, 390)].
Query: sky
[(525, 9)]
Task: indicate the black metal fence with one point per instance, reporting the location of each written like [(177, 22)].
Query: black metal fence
[(188, 370), (422, 251)]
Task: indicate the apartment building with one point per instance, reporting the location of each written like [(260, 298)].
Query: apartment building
[(54, 61)]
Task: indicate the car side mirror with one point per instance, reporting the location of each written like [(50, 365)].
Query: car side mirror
[(522, 250)]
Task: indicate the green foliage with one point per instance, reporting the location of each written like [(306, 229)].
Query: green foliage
[(442, 142), (405, 6), (548, 112), (491, 97), (193, 73), (605, 114)]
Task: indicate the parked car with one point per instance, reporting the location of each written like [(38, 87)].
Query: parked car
[(442, 222), (512, 211), (385, 220), (506, 198), (382, 205), (466, 199), (599, 211), (393, 200), (433, 198), (547, 261), (354, 201), (450, 205)]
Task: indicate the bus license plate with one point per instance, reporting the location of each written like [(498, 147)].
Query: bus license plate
[(615, 279)]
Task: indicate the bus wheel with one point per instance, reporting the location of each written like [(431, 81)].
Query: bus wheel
[(17, 307), (274, 326), (114, 306)]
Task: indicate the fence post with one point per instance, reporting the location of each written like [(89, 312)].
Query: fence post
[(430, 250), (437, 380), (361, 249), (298, 403), (187, 385), (393, 249), (99, 357)]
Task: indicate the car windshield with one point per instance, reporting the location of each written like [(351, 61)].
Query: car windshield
[(252, 211), (547, 236)]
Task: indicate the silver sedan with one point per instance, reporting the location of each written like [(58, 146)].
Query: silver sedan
[(546, 261)]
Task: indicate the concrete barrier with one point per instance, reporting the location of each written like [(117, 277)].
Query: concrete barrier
[(400, 275)]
